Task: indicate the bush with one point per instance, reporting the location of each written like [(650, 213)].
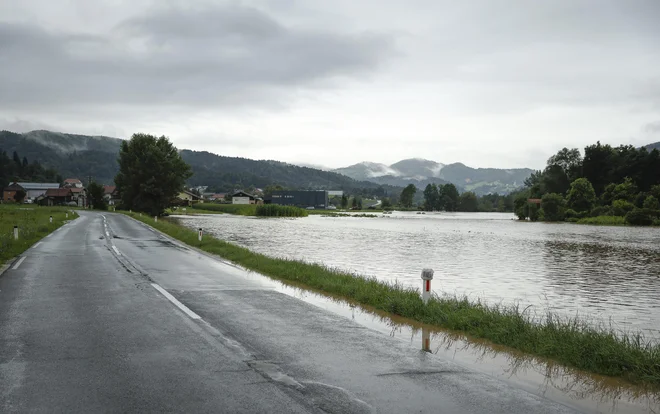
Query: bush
[(651, 202), (603, 220), (572, 214), (601, 211), (639, 217), (621, 207), (533, 212), (275, 210)]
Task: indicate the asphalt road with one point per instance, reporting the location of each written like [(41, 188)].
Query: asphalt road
[(107, 315)]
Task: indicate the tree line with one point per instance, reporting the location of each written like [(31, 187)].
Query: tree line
[(20, 169), (607, 181), (445, 197)]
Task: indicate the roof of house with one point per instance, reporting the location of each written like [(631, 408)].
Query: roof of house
[(38, 186), (109, 189), (242, 194), (58, 192), (72, 181), (13, 187), (77, 190)]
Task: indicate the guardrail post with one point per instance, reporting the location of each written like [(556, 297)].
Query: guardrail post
[(51, 219), (15, 232), (200, 234), (427, 277), (156, 219), (66, 215)]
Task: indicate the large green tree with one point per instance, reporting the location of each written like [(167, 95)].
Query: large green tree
[(448, 197), (407, 195), (553, 206), (468, 202), (570, 161), (151, 173), (581, 196), (96, 193), (431, 197)]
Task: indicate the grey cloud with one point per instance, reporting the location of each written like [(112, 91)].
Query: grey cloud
[(653, 127), (214, 56)]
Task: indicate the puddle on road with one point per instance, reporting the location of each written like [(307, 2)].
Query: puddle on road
[(578, 389)]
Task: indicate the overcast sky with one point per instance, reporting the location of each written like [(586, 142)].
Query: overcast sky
[(488, 83)]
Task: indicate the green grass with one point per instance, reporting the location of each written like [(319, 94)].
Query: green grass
[(603, 221), (33, 224), (238, 209), (572, 342)]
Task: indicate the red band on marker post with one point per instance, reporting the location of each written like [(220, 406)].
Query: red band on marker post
[(428, 285)]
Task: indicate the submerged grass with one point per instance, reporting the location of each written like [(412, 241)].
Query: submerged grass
[(238, 209), (572, 342), (275, 210), (33, 224), (603, 220)]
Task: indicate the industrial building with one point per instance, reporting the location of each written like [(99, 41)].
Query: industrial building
[(303, 199)]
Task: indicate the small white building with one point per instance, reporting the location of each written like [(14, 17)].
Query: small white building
[(241, 197)]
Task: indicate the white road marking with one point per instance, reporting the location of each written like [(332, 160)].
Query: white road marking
[(49, 234), (178, 304), (116, 250), (36, 245), (20, 261)]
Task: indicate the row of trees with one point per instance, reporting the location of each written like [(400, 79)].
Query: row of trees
[(19, 169), (622, 181)]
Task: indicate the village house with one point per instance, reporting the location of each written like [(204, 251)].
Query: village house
[(9, 192), (189, 198), (57, 197), (72, 183), (34, 190), (111, 195), (241, 197)]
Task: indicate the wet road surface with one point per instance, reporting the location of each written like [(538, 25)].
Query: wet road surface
[(107, 315)]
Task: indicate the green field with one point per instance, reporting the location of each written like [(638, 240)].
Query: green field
[(572, 342), (33, 224)]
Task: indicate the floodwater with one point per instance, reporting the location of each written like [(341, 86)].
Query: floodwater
[(605, 275)]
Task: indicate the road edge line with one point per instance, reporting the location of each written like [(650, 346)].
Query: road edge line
[(175, 301), (18, 263)]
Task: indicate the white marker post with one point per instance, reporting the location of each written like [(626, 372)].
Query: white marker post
[(200, 234), (15, 232), (156, 219), (51, 219), (427, 277), (66, 215)]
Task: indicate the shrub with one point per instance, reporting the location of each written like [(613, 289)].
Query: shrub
[(651, 203), (533, 212), (621, 207), (572, 214), (275, 210), (639, 217), (601, 211)]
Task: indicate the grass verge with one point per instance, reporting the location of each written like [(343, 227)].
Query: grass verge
[(33, 224), (603, 221), (572, 342)]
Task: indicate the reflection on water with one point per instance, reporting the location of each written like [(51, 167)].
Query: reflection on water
[(578, 389), (608, 275)]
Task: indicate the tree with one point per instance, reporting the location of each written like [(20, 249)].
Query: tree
[(521, 205), (407, 195), (386, 203), (581, 196), (431, 197), (354, 204), (449, 197), (151, 173), (597, 166), (555, 180), (344, 201), (19, 196), (96, 200), (553, 206), (468, 202), (651, 203), (627, 190), (570, 161)]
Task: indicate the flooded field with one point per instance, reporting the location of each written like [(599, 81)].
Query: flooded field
[(607, 275)]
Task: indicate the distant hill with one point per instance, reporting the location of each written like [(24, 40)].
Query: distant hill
[(421, 172), (82, 156), (653, 146), (70, 155)]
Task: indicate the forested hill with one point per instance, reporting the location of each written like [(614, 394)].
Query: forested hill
[(226, 173), (655, 145), (82, 156)]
